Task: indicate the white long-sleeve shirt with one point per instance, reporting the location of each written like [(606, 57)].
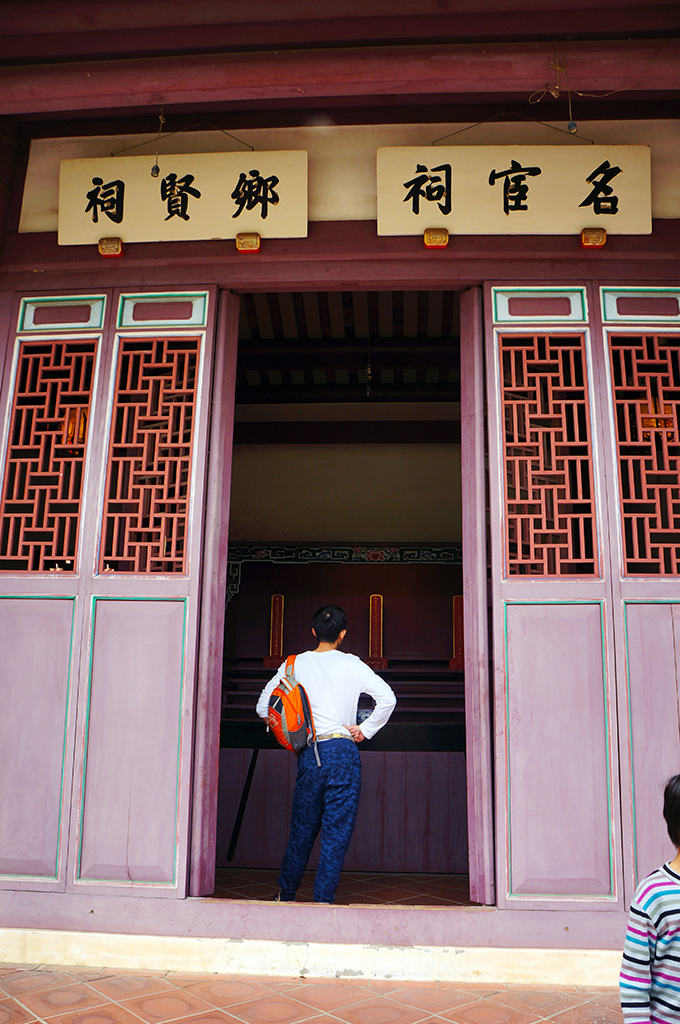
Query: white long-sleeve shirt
[(333, 681)]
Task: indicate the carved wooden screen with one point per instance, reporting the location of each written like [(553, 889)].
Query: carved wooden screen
[(146, 502), (646, 391), (42, 491), (552, 617), (549, 494), (641, 359)]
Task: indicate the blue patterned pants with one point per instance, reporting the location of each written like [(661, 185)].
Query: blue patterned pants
[(326, 800)]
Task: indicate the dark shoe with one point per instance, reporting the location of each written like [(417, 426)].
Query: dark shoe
[(283, 897)]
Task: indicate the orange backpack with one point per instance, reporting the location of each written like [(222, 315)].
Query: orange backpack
[(290, 714)]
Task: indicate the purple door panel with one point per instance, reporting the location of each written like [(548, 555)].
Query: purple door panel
[(129, 819), (35, 638), (475, 600), (559, 826), (652, 631), (102, 489)]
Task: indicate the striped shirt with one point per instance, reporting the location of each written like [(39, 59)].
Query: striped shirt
[(650, 970)]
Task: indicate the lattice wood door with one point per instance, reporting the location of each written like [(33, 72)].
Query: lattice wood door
[(558, 823), (101, 544), (641, 343), (52, 367)]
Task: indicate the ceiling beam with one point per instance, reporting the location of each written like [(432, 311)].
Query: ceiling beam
[(440, 26), (349, 432), (97, 16), (384, 352), (286, 394), (468, 69)]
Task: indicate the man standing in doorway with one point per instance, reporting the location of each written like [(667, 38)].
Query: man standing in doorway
[(326, 796)]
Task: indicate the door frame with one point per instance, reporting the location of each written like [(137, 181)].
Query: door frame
[(479, 764)]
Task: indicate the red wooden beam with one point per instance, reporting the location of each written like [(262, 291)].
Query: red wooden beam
[(443, 26), (518, 69), (95, 16)]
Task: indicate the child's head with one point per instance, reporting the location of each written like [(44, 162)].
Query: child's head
[(671, 809)]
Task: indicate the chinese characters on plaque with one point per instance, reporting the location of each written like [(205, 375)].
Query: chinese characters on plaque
[(194, 196), (515, 190)]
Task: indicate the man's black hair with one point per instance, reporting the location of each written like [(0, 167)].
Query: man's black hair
[(328, 623), (671, 809)]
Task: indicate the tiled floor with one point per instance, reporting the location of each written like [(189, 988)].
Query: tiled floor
[(355, 887), (78, 995)]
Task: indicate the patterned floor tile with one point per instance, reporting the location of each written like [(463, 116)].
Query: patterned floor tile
[(355, 887), (62, 999), (124, 986), (228, 993), (433, 999), (33, 981), (485, 1011), (108, 1013), (383, 986), (166, 1006), (184, 979), (610, 999), (592, 1013), (12, 1012), (380, 1010), (329, 997), (272, 1009), (541, 1001)]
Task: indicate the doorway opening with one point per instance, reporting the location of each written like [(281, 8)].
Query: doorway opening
[(346, 487)]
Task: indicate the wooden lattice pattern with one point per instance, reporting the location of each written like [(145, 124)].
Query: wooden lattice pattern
[(43, 477), (147, 488), (646, 382), (549, 496)]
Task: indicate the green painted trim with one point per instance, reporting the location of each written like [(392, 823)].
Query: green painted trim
[(86, 740), (180, 739), (636, 290), (610, 896), (199, 315), (630, 748), (117, 881), (507, 748), (579, 290), (60, 300), (62, 788)]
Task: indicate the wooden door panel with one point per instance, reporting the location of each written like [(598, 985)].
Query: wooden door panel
[(36, 638), (640, 389), (129, 818), (652, 631), (560, 830), (558, 816), (412, 812)]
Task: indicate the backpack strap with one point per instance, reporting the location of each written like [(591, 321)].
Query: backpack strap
[(290, 667), (291, 681)]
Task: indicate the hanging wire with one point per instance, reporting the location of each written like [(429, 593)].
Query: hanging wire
[(559, 66), (625, 88), (155, 170), (181, 131), (369, 370), (523, 117)]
